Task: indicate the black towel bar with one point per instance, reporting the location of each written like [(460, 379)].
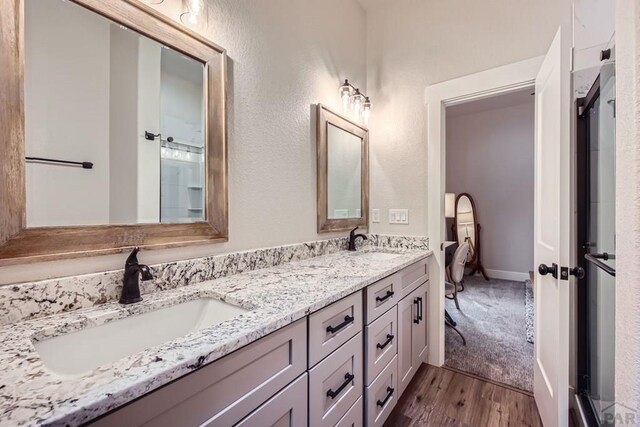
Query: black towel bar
[(85, 165)]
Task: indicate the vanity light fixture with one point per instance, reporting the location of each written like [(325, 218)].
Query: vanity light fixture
[(194, 10), (355, 100)]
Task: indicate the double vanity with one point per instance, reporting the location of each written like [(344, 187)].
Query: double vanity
[(304, 334), (330, 340)]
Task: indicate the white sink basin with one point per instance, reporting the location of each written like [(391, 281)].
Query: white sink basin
[(376, 256), (79, 352)]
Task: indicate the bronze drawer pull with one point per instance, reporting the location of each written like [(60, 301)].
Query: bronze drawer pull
[(386, 297), (386, 343), (348, 378), (334, 329), (381, 403)]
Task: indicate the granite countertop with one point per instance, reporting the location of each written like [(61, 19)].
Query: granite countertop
[(276, 297)]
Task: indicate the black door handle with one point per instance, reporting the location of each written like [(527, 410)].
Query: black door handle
[(420, 308), (386, 343), (381, 403), (577, 271), (348, 378), (388, 295), (334, 329), (417, 318), (544, 269)]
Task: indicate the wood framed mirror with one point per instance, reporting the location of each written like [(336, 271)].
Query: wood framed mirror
[(342, 172), (466, 228), (151, 91)]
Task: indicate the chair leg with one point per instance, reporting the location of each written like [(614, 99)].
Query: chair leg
[(455, 299), (464, 341)]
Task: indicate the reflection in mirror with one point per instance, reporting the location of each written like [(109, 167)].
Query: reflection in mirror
[(93, 88), (344, 176), (465, 223)]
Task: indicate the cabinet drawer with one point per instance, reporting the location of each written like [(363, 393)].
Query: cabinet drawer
[(381, 296), (286, 409), (381, 344), (334, 325), (354, 417), (225, 391), (381, 396), (413, 276), (335, 384)]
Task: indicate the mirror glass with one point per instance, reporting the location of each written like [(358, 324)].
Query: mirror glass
[(92, 90), (465, 223), (344, 173)]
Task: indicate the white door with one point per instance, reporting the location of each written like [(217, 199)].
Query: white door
[(553, 231)]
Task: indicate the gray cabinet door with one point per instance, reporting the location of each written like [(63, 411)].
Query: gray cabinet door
[(412, 335)]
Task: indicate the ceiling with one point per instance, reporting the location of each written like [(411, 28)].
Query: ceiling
[(492, 103)]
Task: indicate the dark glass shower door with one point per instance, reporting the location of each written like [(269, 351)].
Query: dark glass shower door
[(596, 292)]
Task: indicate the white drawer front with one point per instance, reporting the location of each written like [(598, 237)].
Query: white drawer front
[(354, 417), (413, 276), (286, 409), (225, 391), (382, 395), (381, 344), (334, 325), (381, 296), (335, 384)]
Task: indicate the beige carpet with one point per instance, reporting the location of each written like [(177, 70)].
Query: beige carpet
[(492, 319)]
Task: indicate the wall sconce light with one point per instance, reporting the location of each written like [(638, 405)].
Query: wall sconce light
[(194, 10), (353, 99)]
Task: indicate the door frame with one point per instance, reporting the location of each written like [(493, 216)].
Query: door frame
[(496, 81)]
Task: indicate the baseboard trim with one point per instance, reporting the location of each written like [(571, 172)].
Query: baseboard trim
[(507, 275)]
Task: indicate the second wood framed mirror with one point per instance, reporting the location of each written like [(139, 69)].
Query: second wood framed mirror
[(342, 172)]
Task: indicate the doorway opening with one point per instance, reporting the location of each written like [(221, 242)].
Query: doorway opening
[(489, 240)]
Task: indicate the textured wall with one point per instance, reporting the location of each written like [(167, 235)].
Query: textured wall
[(628, 204), (285, 55), (412, 44), (490, 156)]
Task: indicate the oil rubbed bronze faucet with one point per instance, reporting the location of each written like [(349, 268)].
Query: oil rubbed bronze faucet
[(131, 284), (353, 237)]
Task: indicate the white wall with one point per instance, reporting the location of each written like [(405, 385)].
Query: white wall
[(412, 44), (58, 85), (123, 127), (285, 55), (148, 113), (489, 154), (628, 204)]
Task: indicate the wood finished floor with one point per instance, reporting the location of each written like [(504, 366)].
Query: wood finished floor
[(441, 397)]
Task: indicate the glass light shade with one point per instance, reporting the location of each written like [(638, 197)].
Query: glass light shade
[(358, 101), (449, 205), (345, 94), (366, 111)]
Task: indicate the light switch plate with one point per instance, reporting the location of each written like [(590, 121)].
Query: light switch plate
[(399, 216), (375, 215)]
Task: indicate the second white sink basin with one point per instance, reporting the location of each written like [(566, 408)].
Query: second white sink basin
[(79, 352)]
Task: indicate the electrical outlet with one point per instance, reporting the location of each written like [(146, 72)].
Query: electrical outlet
[(375, 215), (399, 216)]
